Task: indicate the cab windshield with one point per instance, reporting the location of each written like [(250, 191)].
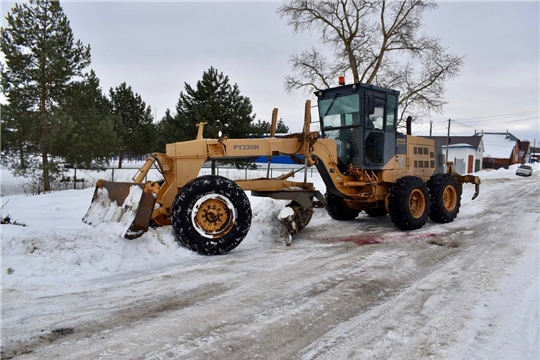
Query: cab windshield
[(340, 121), (339, 112)]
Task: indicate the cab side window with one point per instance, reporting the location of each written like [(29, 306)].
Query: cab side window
[(375, 115), (391, 106)]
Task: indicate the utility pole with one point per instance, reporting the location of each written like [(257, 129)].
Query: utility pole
[(534, 149), (448, 141)]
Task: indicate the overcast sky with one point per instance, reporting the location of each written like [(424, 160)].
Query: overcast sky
[(157, 47)]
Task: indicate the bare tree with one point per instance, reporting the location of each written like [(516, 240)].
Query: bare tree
[(374, 42)]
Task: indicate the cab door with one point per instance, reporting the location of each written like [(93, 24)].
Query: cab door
[(379, 134)]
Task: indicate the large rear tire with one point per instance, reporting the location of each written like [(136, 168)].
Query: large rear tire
[(337, 209), (408, 203), (211, 215), (445, 195)]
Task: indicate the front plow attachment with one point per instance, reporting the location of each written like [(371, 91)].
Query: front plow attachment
[(130, 204)]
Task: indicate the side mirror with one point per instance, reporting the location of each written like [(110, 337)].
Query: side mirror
[(370, 106)]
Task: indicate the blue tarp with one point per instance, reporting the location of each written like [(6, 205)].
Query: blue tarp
[(280, 159)]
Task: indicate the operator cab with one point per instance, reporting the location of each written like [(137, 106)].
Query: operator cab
[(361, 119)]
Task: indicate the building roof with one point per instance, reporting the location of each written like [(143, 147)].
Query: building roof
[(473, 141), (498, 145), (509, 135)]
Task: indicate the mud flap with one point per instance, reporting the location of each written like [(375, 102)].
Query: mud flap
[(130, 204)]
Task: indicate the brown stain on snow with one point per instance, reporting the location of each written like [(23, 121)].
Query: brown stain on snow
[(371, 239)]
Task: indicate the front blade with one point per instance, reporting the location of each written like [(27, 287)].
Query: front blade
[(147, 201), (124, 203)]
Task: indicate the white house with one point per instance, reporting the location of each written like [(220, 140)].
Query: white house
[(465, 151)]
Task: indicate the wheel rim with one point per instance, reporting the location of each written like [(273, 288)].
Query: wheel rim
[(213, 216), (417, 203), (450, 198)]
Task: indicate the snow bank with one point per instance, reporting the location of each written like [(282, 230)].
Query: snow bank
[(55, 244)]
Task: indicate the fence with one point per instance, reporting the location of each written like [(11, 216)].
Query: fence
[(84, 178)]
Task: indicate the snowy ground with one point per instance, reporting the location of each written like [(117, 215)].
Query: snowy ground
[(343, 290)]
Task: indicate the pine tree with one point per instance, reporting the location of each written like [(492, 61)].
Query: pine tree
[(135, 128), (281, 128), (262, 128), (18, 129), (169, 130), (86, 137), (217, 103), (41, 59)]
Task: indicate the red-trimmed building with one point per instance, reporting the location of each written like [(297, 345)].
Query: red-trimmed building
[(503, 150)]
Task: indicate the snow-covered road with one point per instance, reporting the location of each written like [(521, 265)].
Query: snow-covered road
[(343, 290)]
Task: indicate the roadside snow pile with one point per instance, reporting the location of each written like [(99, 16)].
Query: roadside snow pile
[(55, 243), (502, 173)]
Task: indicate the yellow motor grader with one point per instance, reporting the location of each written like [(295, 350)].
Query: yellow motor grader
[(365, 163)]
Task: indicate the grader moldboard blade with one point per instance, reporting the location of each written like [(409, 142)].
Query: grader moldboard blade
[(130, 204), (297, 214)]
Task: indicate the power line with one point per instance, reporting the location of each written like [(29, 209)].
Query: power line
[(501, 115), (502, 121), (488, 120), (480, 124)]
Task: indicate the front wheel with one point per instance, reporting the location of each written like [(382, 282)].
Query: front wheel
[(211, 215), (408, 203), (445, 196)]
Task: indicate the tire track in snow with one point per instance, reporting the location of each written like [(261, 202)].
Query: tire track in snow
[(403, 298), (392, 325)]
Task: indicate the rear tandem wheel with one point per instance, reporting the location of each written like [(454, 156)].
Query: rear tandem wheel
[(445, 194), (408, 203), (211, 215)]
